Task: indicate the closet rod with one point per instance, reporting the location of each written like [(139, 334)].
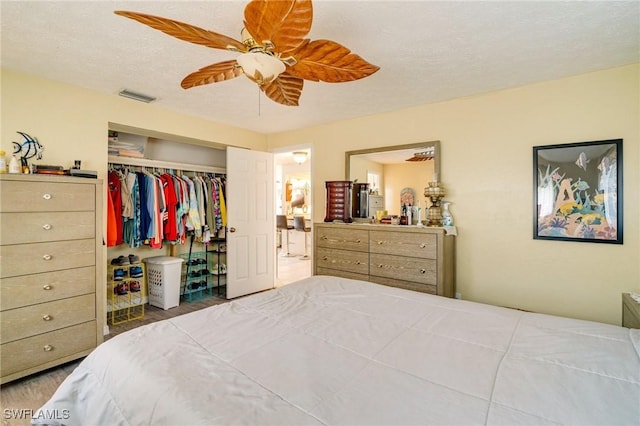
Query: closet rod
[(143, 162)]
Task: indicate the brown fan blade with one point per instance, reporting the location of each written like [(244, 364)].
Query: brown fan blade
[(326, 60), (285, 90), (184, 31), (215, 73), (283, 23)]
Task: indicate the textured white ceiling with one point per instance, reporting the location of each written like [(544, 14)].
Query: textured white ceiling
[(427, 51)]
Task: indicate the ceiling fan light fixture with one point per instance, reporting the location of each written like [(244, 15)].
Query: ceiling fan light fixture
[(299, 157), (261, 67)]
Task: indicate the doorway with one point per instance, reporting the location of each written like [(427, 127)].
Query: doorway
[(293, 199)]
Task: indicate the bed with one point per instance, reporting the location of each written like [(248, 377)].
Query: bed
[(333, 351)]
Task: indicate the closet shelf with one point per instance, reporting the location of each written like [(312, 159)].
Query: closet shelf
[(143, 162)]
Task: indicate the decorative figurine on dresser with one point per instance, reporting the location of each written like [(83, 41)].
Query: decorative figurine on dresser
[(338, 201), (52, 275)]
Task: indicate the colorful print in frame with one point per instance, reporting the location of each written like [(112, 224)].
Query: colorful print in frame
[(578, 192)]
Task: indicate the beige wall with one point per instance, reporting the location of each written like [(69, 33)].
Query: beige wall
[(486, 143)]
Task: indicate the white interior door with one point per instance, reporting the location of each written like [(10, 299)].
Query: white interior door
[(250, 222)]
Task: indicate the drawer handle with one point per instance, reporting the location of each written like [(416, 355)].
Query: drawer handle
[(324, 237), (47, 317), (46, 196), (46, 227), (325, 258), (47, 287), (357, 262), (380, 242), (358, 241), (47, 257), (423, 245), (423, 271), (380, 265), (47, 348)]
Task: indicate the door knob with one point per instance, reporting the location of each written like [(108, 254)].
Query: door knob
[(232, 229)]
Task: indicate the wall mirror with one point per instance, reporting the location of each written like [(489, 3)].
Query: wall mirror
[(394, 170)]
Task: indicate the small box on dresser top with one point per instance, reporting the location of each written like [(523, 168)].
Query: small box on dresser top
[(411, 257), (50, 268)]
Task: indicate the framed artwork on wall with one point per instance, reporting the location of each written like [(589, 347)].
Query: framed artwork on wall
[(577, 191)]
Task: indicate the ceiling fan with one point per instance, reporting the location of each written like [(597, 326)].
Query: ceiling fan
[(274, 52)]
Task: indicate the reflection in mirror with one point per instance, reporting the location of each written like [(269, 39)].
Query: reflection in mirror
[(390, 170)]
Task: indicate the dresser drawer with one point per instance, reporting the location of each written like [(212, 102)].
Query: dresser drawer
[(341, 274), (23, 259), (37, 350), (422, 271), (16, 228), (376, 202), (41, 196), (16, 292), (31, 320), (404, 244), (408, 285), (344, 260), (356, 239)]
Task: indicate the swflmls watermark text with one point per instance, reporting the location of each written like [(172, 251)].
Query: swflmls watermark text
[(28, 413)]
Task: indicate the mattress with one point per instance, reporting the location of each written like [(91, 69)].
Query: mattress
[(334, 351)]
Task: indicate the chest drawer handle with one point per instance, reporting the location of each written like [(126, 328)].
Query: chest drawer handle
[(357, 262), (324, 237), (325, 258), (46, 227), (380, 265), (47, 348), (423, 245), (47, 287), (358, 241), (423, 271), (47, 317), (46, 196), (380, 243), (47, 257)]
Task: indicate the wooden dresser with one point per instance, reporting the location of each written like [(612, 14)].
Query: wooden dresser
[(420, 259), (51, 310)]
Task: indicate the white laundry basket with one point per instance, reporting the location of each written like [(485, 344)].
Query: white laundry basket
[(163, 281)]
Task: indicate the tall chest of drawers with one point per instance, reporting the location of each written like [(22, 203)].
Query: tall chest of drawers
[(50, 267), (419, 259)]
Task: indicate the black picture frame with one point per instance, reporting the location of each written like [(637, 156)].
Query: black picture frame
[(577, 192)]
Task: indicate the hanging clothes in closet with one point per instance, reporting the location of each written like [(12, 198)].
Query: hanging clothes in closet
[(152, 208)]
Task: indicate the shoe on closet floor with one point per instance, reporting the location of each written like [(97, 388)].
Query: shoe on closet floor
[(118, 274), (133, 259), (136, 272), (120, 260), (121, 289)]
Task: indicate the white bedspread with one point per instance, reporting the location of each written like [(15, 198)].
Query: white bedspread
[(334, 351)]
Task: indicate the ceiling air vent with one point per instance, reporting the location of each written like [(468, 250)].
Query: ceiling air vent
[(136, 96)]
